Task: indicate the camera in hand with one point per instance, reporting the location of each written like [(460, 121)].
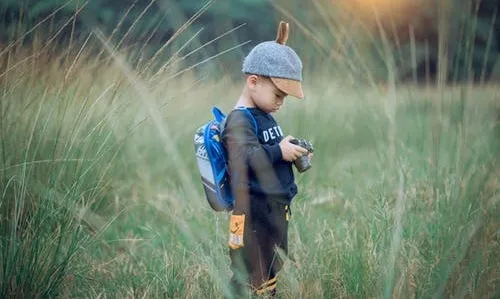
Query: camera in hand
[(303, 163)]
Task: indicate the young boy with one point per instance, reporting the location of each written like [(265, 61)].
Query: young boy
[(260, 165)]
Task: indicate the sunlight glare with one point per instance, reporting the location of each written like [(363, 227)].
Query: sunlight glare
[(381, 7)]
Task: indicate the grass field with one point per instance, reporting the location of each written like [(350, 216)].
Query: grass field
[(101, 198)]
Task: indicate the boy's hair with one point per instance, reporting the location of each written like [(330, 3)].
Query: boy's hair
[(280, 63), (260, 76)]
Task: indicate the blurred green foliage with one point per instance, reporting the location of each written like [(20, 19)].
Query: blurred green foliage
[(365, 37)]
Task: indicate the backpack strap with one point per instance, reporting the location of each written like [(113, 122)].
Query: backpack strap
[(242, 108), (219, 115)]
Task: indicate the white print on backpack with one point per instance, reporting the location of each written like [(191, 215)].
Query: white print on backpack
[(201, 150), (272, 133)]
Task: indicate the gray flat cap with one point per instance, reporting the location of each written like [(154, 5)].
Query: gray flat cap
[(280, 63)]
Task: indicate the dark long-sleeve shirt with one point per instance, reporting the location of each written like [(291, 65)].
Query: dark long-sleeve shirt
[(256, 163)]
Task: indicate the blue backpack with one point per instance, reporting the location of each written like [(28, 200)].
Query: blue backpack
[(212, 160)]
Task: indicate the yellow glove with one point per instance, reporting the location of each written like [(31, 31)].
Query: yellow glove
[(236, 230)]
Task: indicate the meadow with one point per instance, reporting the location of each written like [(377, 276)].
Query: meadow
[(101, 196)]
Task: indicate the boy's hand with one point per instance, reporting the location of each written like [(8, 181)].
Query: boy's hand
[(290, 151)]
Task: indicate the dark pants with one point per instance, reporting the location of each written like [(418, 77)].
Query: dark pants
[(257, 263)]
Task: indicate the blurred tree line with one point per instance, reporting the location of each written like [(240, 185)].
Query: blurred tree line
[(456, 39)]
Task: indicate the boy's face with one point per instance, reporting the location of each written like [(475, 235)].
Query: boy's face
[(265, 95)]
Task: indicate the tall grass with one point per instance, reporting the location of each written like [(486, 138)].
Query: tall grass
[(101, 195)]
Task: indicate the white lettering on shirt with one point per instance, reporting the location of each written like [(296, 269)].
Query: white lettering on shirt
[(272, 133), (277, 131)]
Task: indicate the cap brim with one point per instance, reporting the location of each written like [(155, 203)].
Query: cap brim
[(290, 87)]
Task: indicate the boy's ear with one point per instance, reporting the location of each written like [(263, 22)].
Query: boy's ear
[(252, 80)]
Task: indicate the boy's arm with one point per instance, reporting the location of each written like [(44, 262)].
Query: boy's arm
[(243, 144), (244, 151)]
